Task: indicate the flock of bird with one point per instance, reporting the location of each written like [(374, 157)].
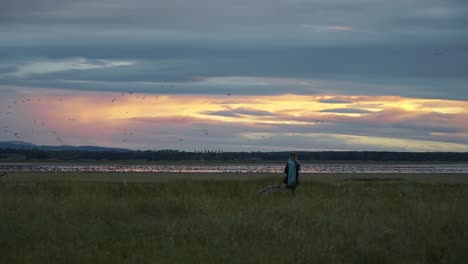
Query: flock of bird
[(40, 126), (126, 134)]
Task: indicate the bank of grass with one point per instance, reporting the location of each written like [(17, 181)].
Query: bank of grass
[(226, 221)]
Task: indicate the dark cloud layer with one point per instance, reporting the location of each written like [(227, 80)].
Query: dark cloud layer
[(335, 101), (408, 48), (239, 111), (346, 110)]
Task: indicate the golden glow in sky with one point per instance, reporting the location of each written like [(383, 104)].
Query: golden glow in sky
[(191, 122)]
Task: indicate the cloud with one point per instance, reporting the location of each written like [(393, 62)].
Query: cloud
[(249, 81), (281, 61), (346, 111), (69, 64), (335, 101), (237, 112), (409, 71), (252, 112), (280, 122), (244, 24), (320, 28), (398, 144), (423, 122)]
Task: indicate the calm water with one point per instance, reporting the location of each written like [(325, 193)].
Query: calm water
[(306, 168)]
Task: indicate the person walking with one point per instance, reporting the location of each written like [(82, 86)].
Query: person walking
[(293, 166), (291, 178)]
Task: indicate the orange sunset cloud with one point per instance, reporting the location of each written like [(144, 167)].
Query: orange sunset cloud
[(123, 118)]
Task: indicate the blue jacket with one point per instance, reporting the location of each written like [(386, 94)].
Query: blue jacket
[(292, 173)]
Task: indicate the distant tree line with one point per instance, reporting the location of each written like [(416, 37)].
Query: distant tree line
[(175, 155)]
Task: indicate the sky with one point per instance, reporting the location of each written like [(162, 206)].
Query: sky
[(241, 75)]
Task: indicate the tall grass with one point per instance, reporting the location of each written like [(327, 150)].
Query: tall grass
[(214, 221)]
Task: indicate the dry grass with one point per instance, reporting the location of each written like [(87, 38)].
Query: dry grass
[(57, 218)]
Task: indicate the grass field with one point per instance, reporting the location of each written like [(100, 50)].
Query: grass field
[(195, 218)]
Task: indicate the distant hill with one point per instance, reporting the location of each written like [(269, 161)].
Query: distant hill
[(29, 146)]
